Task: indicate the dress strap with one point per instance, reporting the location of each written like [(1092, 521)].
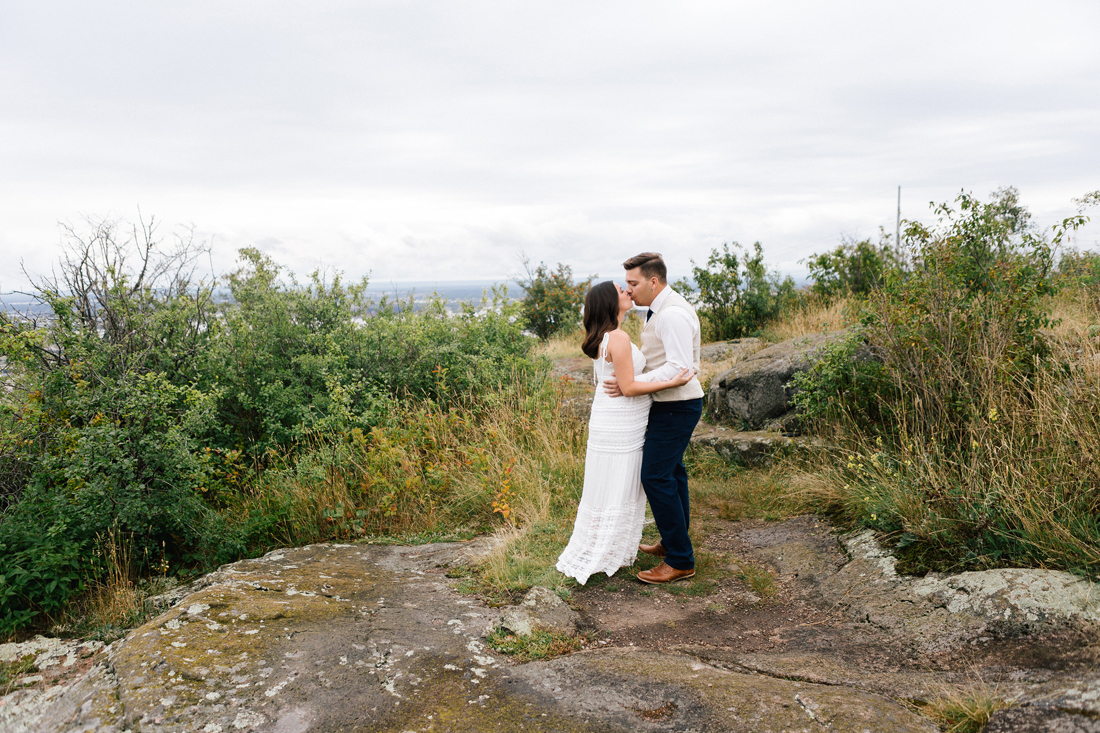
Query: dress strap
[(599, 365)]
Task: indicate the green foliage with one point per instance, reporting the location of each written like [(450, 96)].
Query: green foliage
[(736, 293), (1078, 269), (552, 301), (969, 442), (142, 409), (296, 361), (288, 359), (855, 268), (539, 644), (969, 316), (846, 380)]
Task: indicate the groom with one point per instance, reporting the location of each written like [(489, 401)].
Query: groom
[(670, 343)]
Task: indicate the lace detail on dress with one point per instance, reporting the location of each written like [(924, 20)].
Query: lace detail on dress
[(612, 507)]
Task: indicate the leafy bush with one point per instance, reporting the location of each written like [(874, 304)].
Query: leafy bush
[(977, 452), (969, 317), (847, 380), (552, 301), (136, 412), (853, 268), (737, 295)]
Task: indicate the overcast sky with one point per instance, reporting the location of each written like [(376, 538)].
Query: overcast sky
[(442, 140)]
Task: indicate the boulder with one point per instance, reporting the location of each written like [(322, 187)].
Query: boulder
[(733, 349), (541, 609), (756, 392)]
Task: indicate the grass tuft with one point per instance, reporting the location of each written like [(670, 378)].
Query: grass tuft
[(761, 580), (964, 710), (540, 644), (11, 671)]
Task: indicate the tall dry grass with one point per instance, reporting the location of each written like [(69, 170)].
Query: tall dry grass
[(813, 316), (114, 600), (1017, 483), (511, 464), (1076, 312)]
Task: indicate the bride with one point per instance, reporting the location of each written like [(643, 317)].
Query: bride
[(612, 508)]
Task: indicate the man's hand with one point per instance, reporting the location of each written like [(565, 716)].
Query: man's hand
[(611, 387)]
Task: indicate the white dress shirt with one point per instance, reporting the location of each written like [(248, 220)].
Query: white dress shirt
[(676, 331)]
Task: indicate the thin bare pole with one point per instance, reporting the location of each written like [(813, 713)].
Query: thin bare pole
[(897, 235)]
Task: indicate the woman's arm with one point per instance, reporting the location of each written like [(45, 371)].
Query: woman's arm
[(619, 348)]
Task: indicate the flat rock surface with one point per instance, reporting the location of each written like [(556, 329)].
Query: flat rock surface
[(371, 638)]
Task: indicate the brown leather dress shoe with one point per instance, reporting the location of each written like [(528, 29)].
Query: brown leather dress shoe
[(657, 550), (664, 574)]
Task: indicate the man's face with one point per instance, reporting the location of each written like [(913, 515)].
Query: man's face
[(640, 290)]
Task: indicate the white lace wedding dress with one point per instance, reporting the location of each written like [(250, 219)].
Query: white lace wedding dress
[(612, 508)]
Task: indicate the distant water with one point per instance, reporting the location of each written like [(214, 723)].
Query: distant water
[(453, 292)]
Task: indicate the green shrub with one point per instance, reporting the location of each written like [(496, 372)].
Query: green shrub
[(976, 449), (552, 301), (846, 382), (853, 268), (292, 361), (137, 412), (737, 295)]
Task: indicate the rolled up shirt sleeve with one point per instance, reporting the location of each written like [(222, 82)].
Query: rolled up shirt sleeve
[(676, 331)]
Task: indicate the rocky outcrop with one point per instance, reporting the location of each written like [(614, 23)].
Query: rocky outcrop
[(756, 392), (732, 350), (356, 637), (751, 447), (338, 637)]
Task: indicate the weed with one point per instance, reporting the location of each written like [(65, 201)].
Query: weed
[(761, 580), (661, 712), (11, 671), (964, 710), (539, 644)]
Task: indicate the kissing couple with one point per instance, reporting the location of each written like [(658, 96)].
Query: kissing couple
[(642, 420)]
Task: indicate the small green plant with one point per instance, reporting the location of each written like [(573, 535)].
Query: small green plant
[(761, 580), (11, 671), (846, 382), (965, 710), (539, 644)]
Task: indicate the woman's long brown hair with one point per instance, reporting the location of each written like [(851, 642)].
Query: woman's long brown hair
[(601, 314)]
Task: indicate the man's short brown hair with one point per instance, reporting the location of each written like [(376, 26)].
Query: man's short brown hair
[(650, 264)]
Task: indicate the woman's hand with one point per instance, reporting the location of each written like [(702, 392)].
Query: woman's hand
[(683, 377)]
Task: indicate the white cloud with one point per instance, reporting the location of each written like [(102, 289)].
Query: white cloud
[(439, 140)]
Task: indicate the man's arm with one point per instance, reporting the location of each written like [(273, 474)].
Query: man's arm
[(676, 331)]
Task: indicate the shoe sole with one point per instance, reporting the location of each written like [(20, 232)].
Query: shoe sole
[(664, 582)]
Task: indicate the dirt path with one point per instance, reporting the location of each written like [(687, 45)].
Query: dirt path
[(841, 620)]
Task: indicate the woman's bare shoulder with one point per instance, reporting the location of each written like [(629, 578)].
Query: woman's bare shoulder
[(619, 335)]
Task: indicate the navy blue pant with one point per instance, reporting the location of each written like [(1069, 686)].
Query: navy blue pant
[(664, 477)]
